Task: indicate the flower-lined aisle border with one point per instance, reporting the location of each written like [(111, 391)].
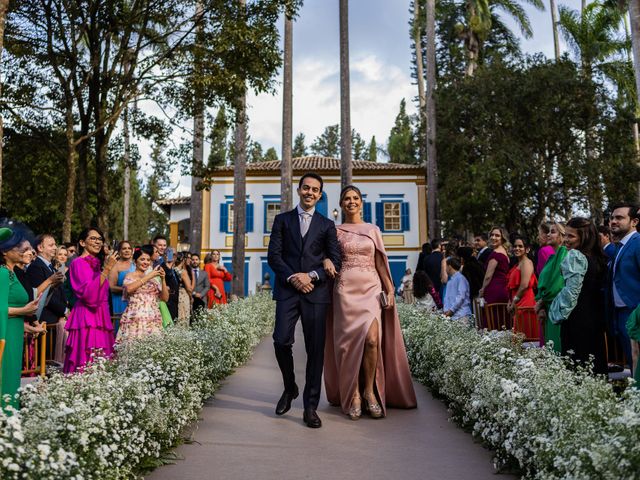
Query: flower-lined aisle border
[(540, 417), (118, 417)]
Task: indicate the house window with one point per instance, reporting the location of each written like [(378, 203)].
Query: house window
[(271, 209), (392, 217), (226, 217), (230, 217)]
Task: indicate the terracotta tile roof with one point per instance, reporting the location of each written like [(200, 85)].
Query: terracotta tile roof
[(174, 201), (326, 164)]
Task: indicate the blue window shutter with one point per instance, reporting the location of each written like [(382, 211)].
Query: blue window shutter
[(367, 212), (249, 217), (405, 217), (224, 217), (380, 215)]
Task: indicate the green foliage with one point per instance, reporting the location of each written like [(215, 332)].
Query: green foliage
[(511, 147), (270, 155), (299, 148), (372, 150), (402, 146), (327, 144), (358, 146), (218, 139)]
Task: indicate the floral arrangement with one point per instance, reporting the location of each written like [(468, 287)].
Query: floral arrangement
[(118, 417), (544, 419)]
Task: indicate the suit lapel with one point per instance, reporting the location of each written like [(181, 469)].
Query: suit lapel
[(294, 225), (624, 249)]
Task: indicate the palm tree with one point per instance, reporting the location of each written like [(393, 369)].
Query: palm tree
[(195, 207), (433, 221), (416, 35), (554, 27), (286, 199), (4, 6), (481, 16), (345, 102)]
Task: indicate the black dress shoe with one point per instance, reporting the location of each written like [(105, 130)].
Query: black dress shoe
[(284, 404), (311, 418)]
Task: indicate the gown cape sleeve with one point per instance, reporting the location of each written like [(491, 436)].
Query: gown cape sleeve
[(398, 389)]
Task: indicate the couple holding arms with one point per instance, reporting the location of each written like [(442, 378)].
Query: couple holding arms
[(351, 326)]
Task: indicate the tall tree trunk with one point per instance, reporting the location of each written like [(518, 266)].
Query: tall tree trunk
[(102, 185), (634, 127), (634, 20), (72, 156), (83, 182), (240, 192), (432, 164), (127, 176), (422, 101), (286, 196), (195, 210), (554, 26), (4, 5), (345, 100)]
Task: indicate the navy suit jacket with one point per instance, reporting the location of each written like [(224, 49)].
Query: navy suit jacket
[(37, 273), (289, 253), (627, 272)]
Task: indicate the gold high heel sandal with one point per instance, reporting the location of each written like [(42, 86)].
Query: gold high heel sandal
[(373, 407), (355, 412)]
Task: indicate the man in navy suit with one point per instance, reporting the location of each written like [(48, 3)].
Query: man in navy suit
[(40, 270), (300, 240), (624, 272)]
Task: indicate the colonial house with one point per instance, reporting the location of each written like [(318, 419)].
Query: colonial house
[(394, 199)]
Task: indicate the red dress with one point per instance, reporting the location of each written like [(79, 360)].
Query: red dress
[(217, 279), (526, 321)]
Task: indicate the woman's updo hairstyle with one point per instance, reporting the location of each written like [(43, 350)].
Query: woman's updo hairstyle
[(138, 252), (347, 189)]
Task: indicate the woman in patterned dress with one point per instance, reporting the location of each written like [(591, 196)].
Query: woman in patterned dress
[(142, 315)]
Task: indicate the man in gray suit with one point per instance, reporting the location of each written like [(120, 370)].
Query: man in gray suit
[(202, 285)]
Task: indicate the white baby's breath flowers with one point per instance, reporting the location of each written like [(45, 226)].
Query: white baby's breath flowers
[(116, 418)]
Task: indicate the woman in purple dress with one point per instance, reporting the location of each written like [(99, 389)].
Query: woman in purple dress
[(494, 287), (89, 325)]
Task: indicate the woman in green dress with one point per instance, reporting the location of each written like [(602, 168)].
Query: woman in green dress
[(549, 285), (12, 327)]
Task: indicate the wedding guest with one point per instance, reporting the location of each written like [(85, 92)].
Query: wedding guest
[(633, 328), (494, 286), (72, 251), (521, 283), (433, 264), (166, 257), (579, 306), (201, 285), (472, 270), (624, 273), (550, 283), (545, 250), (42, 269), (608, 247), (14, 307), (481, 244), (406, 287), (89, 324), (184, 274), (142, 315), (218, 274), (426, 250), (60, 258), (457, 300), (366, 366), (123, 266), (424, 293)]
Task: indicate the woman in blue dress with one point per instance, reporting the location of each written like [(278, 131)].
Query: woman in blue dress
[(124, 266)]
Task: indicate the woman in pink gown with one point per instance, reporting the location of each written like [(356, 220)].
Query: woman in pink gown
[(89, 325), (366, 365)]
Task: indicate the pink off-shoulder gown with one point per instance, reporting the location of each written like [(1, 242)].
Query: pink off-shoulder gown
[(356, 305), (89, 325)]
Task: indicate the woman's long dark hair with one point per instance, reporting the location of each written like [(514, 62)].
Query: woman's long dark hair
[(589, 240), (471, 269), (421, 284)]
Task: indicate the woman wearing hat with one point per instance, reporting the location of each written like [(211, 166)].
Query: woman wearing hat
[(14, 306)]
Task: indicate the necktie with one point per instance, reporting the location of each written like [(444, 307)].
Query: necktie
[(195, 271), (305, 221)]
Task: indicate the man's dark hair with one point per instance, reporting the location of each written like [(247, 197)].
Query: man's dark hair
[(483, 236), (159, 237), (41, 238), (311, 175), (426, 248), (633, 209), (194, 255), (435, 243), (454, 263)]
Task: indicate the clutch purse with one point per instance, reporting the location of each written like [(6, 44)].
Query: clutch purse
[(384, 299)]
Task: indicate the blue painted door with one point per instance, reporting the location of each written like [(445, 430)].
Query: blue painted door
[(323, 205)]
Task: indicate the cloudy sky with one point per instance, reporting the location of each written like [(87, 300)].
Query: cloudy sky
[(380, 70)]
